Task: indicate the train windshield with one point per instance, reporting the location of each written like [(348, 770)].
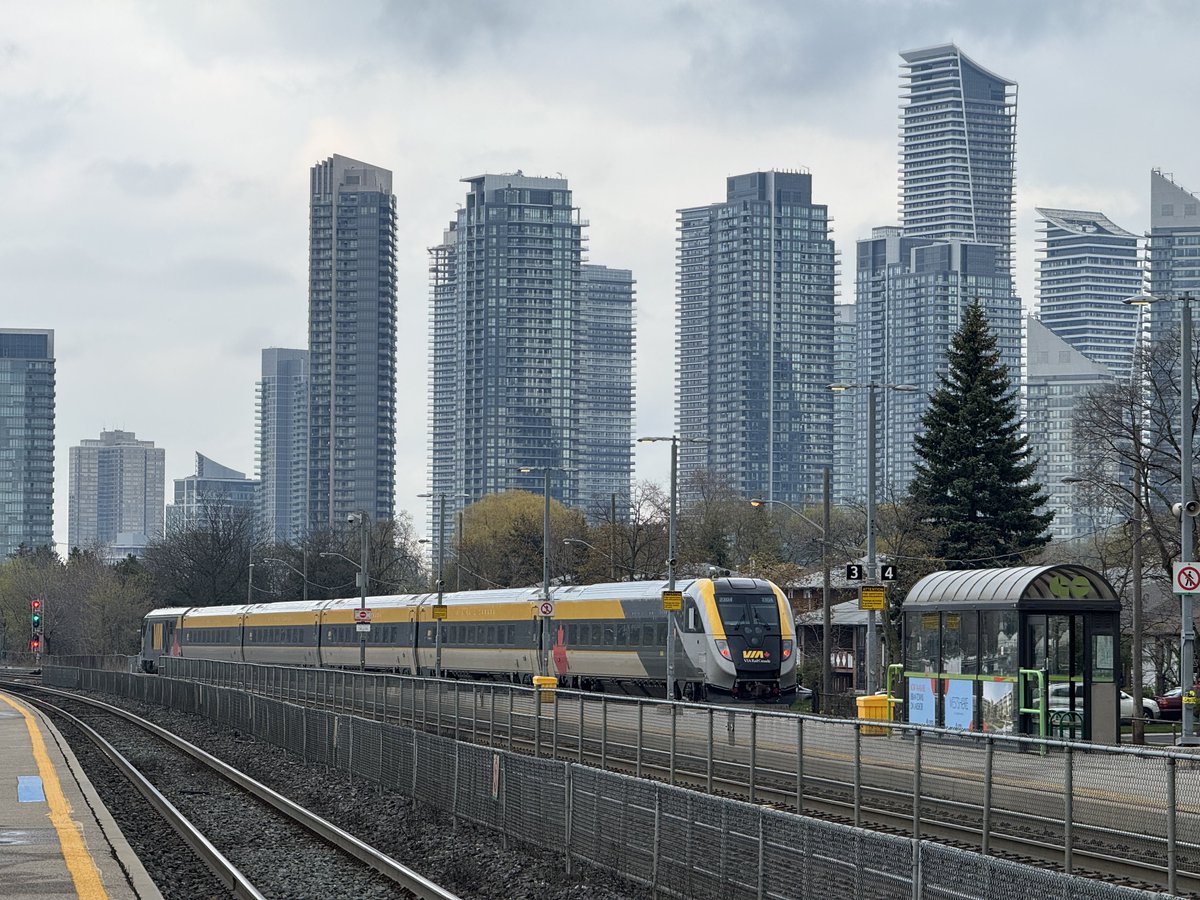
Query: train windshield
[(739, 610)]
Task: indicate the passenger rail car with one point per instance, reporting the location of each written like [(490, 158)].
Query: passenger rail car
[(734, 638)]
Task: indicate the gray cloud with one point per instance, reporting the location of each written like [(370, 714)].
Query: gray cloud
[(143, 179)]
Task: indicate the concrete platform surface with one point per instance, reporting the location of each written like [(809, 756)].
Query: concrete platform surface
[(56, 838)]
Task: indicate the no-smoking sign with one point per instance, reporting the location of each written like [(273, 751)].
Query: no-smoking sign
[(1186, 578), (546, 608)]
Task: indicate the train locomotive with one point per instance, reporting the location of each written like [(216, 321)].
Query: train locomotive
[(734, 639)]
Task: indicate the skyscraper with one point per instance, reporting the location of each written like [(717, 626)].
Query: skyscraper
[(352, 342), (1087, 268), (214, 490), (910, 296), (1174, 249), (1057, 377), (755, 350), (530, 351), (116, 494), (26, 439), (604, 400), (282, 407), (954, 247), (958, 150)]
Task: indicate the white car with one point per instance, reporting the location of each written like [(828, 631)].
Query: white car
[(1060, 695)]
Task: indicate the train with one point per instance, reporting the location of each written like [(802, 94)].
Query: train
[(734, 638)]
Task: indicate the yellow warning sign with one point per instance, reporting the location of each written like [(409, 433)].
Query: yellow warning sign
[(440, 612), (870, 596), (672, 601)]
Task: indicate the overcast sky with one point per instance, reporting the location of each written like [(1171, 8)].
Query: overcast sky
[(155, 162)]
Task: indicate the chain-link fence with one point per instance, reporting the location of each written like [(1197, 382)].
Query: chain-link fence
[(680, 842)]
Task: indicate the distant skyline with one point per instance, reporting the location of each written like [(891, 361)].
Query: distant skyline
[(156, 159)]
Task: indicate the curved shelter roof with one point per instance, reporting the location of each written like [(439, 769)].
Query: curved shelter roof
[(1016, 587)]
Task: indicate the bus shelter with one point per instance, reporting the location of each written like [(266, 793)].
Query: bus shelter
[(1030, 650)]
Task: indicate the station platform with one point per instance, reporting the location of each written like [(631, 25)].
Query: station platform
[(56, 837)]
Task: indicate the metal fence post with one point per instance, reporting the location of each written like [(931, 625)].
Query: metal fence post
[(987, 794), (554, 746), (761, 855), (492, 715), (511, 693), (799, 764), (537, 727), (474, 713), (603, 732), (657, 833), (917, 785), (674, 708), (640, 733), (579, 700), (857, 775), (709, 769), (454, 796), (1069, 810), (568, 814), (1172, 860), (438, 719), (753, 753)]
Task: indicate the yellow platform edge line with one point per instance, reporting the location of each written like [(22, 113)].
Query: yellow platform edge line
[(85, 875)]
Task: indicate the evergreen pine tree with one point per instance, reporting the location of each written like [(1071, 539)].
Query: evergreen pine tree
[(974, 480)]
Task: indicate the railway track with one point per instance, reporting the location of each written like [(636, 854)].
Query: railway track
[(254, 842)]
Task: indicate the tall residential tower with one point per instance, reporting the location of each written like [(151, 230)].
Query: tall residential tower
[(755, 353), (1087, 268), (530, 350), (352, 342), (116, 494), (954, 247), (282, 411), (26, 439)]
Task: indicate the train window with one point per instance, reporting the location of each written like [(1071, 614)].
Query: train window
[(491, 635), (609, 634), (511, 634), (660, 633), (648, 635), (622, 635), (572, 634), (595, 638)]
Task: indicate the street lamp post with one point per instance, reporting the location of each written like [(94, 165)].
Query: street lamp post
[(250, 581), (826, 617), (872, 569), (1187, 627), (362, 578), (674, 439), (543, 664), (441, 581)]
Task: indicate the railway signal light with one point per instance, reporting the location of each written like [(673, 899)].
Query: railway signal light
[(35, 614), (35, 644)]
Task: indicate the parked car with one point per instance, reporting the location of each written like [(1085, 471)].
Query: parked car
[(1060, 698), (1170, 704)]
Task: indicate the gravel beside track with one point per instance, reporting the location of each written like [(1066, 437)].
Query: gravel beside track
[(468, 860), (280, 857)]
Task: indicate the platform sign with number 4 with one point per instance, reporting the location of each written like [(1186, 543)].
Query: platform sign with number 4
[(888, 572)]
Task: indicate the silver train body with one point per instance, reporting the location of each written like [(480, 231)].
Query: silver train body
[(734, 638)]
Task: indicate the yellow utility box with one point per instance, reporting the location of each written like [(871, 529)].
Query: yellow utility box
[(545, 686), (874, 706)]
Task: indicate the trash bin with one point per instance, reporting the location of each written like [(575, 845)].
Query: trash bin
[(874, 706), (545, 686)]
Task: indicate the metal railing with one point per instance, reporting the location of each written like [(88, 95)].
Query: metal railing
[(676, 841)]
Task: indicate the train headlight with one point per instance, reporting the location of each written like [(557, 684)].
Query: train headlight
[(787, 649), (723, 649)]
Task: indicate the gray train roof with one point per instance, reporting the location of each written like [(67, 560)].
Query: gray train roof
[(619, 590), (1016, 586)]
